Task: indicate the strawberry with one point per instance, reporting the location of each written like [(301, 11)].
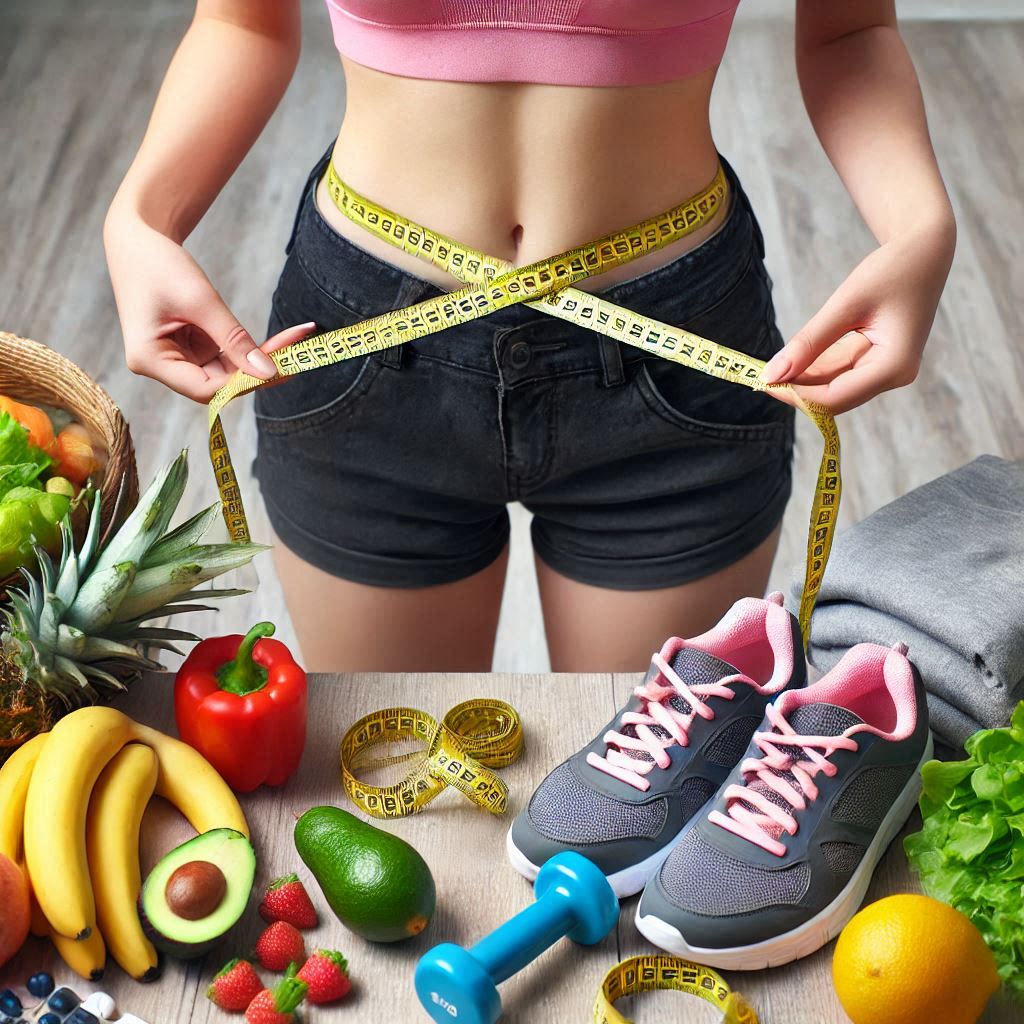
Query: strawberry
[(286, 899), (326, 974), (279, 945), (277, 1006), (234, 986)]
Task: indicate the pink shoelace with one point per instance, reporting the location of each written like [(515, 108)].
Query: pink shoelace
[(762, 828), (654, 713)]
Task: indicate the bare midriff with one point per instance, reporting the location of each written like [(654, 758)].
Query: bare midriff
[(522, 171)]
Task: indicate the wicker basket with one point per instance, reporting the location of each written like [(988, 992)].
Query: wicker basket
[(31, 372)]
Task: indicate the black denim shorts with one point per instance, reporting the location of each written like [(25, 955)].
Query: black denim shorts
[(395, 469)]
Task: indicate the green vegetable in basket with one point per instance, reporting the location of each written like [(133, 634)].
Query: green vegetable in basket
[(970, 852), (28, 516), (15, 448)]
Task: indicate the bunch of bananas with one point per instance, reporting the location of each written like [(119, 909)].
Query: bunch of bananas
[(71, 805)]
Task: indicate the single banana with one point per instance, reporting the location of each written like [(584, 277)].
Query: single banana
[(76, 751), (116, 807), (79, 747), (192, 784), (14, 779), (86, 957)]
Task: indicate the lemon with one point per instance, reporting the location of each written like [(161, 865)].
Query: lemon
[(912, 960)]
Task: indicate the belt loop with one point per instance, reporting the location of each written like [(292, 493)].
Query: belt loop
[(611, 361), (392, 357)]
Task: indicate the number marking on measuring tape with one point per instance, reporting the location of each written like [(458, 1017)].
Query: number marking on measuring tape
[(459, 751), (646, 973), (493, 284)]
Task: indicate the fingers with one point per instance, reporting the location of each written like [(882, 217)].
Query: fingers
[(287, 337), (879, 371), (233, 340), (199, 383), (832, 321)]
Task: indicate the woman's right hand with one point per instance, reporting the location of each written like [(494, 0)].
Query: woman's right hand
[(177, 329)]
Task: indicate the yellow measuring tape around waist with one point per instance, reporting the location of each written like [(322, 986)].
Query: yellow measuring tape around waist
[(547, 285), (459, 751), (647, 973)]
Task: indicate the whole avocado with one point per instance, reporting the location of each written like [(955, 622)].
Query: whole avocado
[(377, 884)]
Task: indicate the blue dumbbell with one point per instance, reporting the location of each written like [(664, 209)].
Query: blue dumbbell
[(573, 898)]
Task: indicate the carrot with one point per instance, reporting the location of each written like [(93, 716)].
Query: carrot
[(35, 421), (73, 455)]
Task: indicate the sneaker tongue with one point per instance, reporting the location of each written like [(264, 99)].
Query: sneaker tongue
[(822, 719), (694, 667)]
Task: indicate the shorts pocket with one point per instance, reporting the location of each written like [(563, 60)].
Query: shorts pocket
[(706, 406), (312, 400)]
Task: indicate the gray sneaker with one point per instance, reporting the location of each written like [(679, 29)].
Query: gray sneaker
[(781, 861), (623, 800)]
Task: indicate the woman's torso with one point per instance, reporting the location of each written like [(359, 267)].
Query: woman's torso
[(522, 170)]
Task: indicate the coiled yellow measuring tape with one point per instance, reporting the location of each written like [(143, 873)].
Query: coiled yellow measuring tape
[(647, 973), (459, 751), (547, 285)]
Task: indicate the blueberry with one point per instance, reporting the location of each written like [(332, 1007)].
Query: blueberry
[(63, 1000), (82, 1016), (40, 985), (49, 1018), (10, 1003)]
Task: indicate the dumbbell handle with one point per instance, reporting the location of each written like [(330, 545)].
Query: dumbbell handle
[(510, 947)]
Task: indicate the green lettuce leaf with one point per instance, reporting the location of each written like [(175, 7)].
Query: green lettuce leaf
[(22, 474), (21, 463), (970, 850)]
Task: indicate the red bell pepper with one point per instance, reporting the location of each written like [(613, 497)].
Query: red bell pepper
[(241, 702)]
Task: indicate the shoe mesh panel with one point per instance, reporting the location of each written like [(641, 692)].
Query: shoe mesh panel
[(567, 811), (729, 743), (868, 797), (842, 858), (701, 880), (694, 793)]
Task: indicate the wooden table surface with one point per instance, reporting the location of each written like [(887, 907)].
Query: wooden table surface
[(476, 888)]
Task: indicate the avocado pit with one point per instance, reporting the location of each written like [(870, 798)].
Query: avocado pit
[(195, 890)]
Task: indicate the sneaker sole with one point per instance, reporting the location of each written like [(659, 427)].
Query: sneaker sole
[(627, 882), (812, 934)]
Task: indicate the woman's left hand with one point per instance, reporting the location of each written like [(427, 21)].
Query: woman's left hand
[(870, 335)]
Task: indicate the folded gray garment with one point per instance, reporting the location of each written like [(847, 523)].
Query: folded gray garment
[(942, 570)]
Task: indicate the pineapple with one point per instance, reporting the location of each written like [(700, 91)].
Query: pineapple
[(81, 630)]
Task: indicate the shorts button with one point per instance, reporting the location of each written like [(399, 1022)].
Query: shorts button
[(519, 355)]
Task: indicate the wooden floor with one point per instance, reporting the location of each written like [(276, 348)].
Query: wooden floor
[(76, 85), (464, 846)]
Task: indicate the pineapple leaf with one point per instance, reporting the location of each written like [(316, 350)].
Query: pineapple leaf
[(153, 588), (100, 597), (209, 595), (185, 536), (149, 634), (73, 643), (67, 580), (68, 670), (146, 525), (104, 678), (89, 545)]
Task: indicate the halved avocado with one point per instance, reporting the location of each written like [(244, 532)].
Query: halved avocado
[(197, 892)]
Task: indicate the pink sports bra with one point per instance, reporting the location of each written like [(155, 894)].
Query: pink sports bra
[(560, 42)]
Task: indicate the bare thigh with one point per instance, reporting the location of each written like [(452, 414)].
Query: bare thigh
[(593, 629), (350, 627)]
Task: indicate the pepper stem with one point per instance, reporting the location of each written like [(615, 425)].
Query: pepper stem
[(242, 675)]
